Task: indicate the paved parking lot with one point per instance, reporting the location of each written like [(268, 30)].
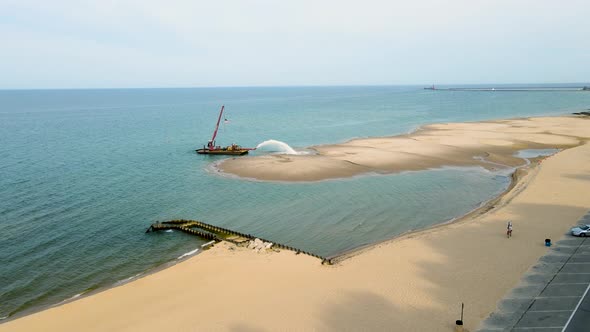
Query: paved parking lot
[(553, 295)]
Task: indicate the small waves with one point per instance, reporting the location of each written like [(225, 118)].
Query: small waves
[(190, 253), (71, 298), (126, 280)]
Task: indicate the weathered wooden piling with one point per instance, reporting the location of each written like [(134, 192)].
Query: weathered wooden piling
[(213, 233)]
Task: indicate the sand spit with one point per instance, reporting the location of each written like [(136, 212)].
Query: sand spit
[(484, 144), (413, 283)]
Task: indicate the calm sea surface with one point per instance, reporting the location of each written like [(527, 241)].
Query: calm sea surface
[(84, 172)]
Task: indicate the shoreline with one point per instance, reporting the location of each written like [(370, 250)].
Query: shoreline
[(362, 271), (100, 289), (335, 258), (484, 207), (493, 145)]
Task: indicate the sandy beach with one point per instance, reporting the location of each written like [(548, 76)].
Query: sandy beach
[(413, 283), (490, 144)]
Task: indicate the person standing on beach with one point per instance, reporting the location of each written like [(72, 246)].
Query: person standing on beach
[(509, 229)]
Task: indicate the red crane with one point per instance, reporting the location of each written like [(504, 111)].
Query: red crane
[(211, 143), (233, 149)]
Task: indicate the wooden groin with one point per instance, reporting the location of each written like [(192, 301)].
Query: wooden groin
[(217, 233), (183, 228)]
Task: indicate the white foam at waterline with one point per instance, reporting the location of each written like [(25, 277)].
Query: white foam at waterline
[(168, 231), (188, 253), (276, 146), (71, 298), (120, 282)]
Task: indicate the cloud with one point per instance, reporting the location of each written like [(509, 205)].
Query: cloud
[(228, 43)]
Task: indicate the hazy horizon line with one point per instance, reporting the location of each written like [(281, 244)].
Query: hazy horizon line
[(581, 84)]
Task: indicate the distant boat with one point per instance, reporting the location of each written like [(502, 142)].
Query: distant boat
[(430, 87), (211, 148)]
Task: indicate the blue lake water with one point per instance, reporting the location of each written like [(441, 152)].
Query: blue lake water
[(84, 172)]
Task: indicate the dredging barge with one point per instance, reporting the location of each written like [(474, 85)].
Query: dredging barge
[(211, 148)]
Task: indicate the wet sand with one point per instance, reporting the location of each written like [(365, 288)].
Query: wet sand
[(413, 283), (485, 144)]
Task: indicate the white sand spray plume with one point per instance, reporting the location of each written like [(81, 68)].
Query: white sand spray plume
[(276, 146)]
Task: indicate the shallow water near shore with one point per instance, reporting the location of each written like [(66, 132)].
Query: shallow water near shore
[(84, 173), (533, 153)]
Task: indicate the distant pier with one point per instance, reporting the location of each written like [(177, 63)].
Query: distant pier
[(218, 234), (515, 88)]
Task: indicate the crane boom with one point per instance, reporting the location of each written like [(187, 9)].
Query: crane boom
[(217, 125), (234, 149)]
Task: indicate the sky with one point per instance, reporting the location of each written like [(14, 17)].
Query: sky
[(174, 43)]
